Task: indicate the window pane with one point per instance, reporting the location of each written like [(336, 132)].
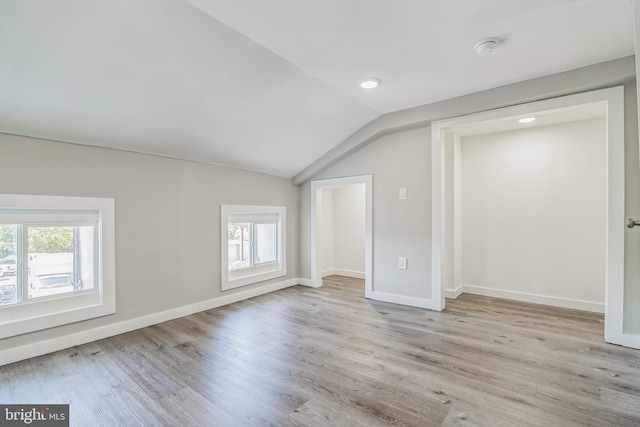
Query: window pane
[(266, 242), (239, 242), (60, 260), (8, 264)]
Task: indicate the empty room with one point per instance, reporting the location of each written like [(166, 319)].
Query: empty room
[(286, 213)]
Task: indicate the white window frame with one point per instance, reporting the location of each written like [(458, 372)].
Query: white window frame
[(259, 272), (47, 312)]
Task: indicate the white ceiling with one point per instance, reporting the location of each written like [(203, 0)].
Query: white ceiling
[(270, 85), (597, 110)]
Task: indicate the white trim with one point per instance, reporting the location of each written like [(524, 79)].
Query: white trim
[(613, 99), (326, 273), (349, 273), (437, 214), (627, 339), (614, 284), (574, 304), (636, 27), (455, 293), (404, 300), (630, 339), (456, 274), (346, 273), (48, 346), (71, 307), (316, 186), (308, 282)]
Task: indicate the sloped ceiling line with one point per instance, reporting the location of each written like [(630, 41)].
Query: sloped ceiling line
[(270, 85), (598, 76)]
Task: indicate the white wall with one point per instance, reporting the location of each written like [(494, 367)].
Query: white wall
[(349, 230), (400, 227), (394, 157), (534, 212), (167, 218), (341, 231)]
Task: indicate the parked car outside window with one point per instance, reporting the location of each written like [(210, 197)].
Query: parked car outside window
[(8, 294), (8, 266)]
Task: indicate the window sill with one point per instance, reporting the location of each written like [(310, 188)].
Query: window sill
[(49, 311), (35, 316), (250, 276)]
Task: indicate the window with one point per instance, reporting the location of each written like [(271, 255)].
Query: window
[(56, 261), (252, 243), (254, 247)]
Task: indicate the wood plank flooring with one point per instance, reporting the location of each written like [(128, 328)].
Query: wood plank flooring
[(328, 357)]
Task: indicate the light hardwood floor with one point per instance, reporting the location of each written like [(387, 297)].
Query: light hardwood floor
[(328, 357)]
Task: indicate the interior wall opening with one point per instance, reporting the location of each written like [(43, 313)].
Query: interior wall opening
[(448, 230), (528, 208), (342, 230)]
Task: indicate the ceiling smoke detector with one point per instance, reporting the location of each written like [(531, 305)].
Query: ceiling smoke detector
[(486, 46)]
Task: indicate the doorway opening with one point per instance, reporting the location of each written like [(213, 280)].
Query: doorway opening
[(455, 244), (342, 229)]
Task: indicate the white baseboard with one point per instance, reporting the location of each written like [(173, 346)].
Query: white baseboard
[(534, 298), (455, 293), (326, 273), (404, 300), (624, 339), (349, 273), (309, 283), (48, 346), (346, 273)]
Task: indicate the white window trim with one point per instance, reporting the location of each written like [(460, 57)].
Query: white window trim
[(52, 312), (260, 272)]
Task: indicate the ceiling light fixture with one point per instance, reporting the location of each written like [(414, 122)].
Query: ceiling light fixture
[(369, 83), (527, 120), (486, 46)]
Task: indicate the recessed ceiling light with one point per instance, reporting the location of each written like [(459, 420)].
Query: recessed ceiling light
[(527, 120), (369, 83)]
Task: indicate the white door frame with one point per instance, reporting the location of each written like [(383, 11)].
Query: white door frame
[(316, 186), (613, 99)]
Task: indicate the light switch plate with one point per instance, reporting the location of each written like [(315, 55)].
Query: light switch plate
[(402, 195), (402, 263)]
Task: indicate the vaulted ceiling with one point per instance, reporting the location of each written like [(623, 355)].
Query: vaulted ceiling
[(270, 85)]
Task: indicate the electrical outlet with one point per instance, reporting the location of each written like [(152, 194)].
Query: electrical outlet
[(402, 194), (402, 263)]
